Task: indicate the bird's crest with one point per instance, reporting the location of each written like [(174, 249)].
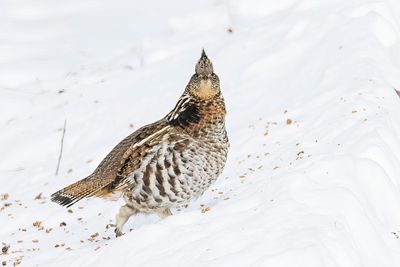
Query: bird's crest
[(204, 66)]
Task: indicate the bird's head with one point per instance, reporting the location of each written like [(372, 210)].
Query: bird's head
[(204, 84)]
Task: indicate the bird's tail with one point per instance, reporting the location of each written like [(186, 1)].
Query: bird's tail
[(71, 194)]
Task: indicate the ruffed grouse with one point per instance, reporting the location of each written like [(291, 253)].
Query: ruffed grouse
[(165, 163)]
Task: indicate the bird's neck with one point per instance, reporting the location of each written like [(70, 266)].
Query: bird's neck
[(212, 118), (198, 117)]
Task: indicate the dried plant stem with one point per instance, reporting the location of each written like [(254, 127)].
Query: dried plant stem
[(61, 147)]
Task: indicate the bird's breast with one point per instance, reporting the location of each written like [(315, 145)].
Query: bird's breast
[(175, 171)]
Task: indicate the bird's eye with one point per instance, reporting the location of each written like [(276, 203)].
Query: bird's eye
[(214, 77)]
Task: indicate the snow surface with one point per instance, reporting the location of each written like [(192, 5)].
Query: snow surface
[(313, 175)]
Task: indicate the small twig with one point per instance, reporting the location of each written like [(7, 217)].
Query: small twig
[(61, 147)]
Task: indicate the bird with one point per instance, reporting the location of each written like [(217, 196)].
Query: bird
[(167, 163)]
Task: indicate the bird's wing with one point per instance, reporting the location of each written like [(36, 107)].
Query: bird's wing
[(133, 158), (107, 175), (155, 155)]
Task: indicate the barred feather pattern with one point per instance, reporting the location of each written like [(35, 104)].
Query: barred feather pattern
[(176, 169)]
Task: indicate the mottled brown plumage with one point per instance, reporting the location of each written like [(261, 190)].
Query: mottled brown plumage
[(165, 163)]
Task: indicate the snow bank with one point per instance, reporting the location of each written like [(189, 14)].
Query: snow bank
[(313, 174)]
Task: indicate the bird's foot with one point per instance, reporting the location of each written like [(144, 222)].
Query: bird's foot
[(122, 217), (118, 232)]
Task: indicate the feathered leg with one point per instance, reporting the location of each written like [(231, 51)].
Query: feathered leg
[(122, 217), (164, 213)]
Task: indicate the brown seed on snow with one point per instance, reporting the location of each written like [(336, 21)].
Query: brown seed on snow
[(5, 248), (204, 210), (39, 196), (37, 224), (94, 235), (4, 197)]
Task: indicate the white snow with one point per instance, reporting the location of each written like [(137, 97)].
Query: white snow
[(313, 175)]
